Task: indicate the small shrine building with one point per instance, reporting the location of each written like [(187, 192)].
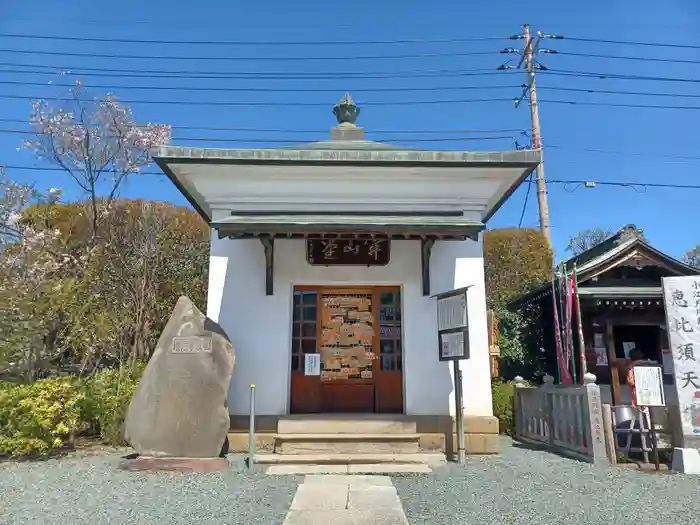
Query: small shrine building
[(324, 261)]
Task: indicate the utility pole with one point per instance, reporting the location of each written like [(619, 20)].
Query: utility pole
[(536, 134), (527, 58)]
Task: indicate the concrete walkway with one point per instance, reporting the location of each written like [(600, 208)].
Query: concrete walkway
[(346, 500)]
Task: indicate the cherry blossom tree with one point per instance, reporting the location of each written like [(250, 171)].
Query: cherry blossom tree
[(31, 259), (97, 142)]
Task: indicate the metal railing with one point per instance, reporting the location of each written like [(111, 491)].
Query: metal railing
[(563, 418)]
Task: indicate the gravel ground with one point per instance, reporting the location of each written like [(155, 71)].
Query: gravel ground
[(89, 489), (524, 486)]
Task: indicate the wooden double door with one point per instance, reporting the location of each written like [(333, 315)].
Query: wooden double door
[(346, 350)]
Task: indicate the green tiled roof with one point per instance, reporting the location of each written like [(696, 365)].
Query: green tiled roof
[(280, 223)]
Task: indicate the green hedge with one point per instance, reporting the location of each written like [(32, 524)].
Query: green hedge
[(502, 393), (37, 418)]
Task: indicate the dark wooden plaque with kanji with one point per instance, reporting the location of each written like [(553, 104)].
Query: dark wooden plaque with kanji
[(348, 252)]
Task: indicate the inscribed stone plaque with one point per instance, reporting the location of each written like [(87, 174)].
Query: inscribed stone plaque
[(178, 409), (682, 303)]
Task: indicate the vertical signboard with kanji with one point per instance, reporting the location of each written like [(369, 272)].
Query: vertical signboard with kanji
[(682, 303)]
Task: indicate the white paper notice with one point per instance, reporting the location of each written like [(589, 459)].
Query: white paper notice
[(649, 386), (312, 364), (627, 347), (601, 356), (682, 303), (598, 340)]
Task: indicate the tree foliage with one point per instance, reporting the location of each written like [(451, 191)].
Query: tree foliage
[(67, 303), (692, 257), (516, 260), (587, 239)]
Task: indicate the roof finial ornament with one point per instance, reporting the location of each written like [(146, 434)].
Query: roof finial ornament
[(346, 111)]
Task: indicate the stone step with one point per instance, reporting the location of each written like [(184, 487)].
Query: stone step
[(347, 443), (345, 425), (350, 459)]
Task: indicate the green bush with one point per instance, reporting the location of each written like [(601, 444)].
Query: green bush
[(516, 260), (107, 397), (38, 417), (502, 393)]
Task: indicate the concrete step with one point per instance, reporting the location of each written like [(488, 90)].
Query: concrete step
[(347, 443), (345, 424), (350, 459), (345, 470)]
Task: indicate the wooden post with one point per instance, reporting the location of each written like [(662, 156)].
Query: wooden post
[(609, 434), (613, 365)]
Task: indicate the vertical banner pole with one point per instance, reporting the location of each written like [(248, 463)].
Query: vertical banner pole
[(251, 429), (459, 412), (579, 319)]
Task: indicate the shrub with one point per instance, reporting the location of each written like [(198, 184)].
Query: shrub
[(502, 393), (38, 417), (516, 260), (107, 397)]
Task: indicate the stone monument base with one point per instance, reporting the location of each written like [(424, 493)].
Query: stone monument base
[(138, 463), (686, 461)]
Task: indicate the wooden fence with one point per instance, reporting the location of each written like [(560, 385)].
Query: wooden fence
[(564, 419)]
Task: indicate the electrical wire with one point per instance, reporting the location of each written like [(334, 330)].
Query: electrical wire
[(169, 74), (289, 141), (619, 57), (617, 92), (368, 104), (527, 196), (549, 181), (249, 42), (292, 130), (629, 153), (615, 76), (633, 185), (258, 89), (268, 104), (630, 43), (617, 105), (332, 90), (246, 59)]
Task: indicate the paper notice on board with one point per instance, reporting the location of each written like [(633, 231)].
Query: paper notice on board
[(598, 340), (627, 347), (312, 364), (601, 356)]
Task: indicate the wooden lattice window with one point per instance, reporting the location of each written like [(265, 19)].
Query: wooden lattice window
[(390, 347), (305, 311)]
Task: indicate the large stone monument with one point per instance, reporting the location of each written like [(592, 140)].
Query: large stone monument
[(177, 419)]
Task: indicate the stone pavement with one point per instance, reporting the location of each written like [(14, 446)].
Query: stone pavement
[(346, 500)]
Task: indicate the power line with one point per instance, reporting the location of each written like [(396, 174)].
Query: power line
[(257, 89), (168, 74), (618, 92), (630, 43), (619, 57), (615, 76), (292, 130), (373, 104), (290, 141), (587, 183), (618, 105), (630, 153), (247, 59), (250, 42), (527, 195), (270, 104)]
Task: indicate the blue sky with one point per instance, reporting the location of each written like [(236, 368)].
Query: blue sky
[(643, 141)]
